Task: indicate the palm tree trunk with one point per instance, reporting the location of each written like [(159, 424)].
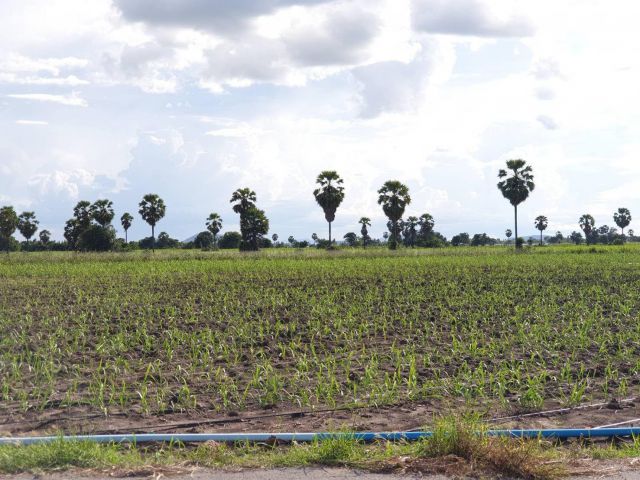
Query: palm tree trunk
[(540, 237), (394, 235), (515, 210), (329, 234), (126, 237), (153, 238)]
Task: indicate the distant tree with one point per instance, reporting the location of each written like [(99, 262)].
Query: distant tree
[(426, 223), (314, 237), (126, 220), (254, 225), (482, 239), (165, 241), (152, 210), (517, 187), (631, 234), (385, 235), (72, 232), (96, 238), (8, 225), (28, 225), (351, 239), (274, 237), (541, 224), (508, 234), (230, 240), (102, 212), (82, 215), (576, 237), (394, 197), (410, 231), (557, 238), (291, 240), (365, 222), (622, 218), (460, 239), (45, 236), (329, 195), (244, 199), (214, 225), (204, 240), (587, 224)]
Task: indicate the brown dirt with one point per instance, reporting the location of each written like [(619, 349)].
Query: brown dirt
[(87, 420)]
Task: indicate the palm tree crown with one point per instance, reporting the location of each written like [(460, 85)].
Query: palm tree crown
[(245, 198), (517, 187)]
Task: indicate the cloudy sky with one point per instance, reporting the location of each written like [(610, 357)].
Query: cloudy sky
[(192, 99)]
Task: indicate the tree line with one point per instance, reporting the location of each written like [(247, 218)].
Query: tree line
[(90, 228)]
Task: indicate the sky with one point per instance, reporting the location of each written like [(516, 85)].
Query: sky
[(192, 99)]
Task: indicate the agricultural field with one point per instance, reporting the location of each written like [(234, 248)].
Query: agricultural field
[(306, 340)]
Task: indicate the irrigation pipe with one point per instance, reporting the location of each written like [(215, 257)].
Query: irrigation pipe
[(311, 437), (626, 422)]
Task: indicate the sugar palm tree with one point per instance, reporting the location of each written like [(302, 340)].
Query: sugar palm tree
[(329, 195), (126, 220), (516, 188), (541, 224), (102, 212), (365, 222), (152, 210), (214, 225), (244, 199), (394, 197), (27, 224), (587, 223), (622, 218), (508, 234)]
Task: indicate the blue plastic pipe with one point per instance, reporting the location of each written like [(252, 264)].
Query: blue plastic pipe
[(310, 437)]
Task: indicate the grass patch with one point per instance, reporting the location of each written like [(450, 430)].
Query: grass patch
[(455, 448), (62, 455)]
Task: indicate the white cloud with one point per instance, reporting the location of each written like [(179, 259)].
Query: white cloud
[(73, 100), (547, 122), (470, 17), (59, 181), (32, 122)]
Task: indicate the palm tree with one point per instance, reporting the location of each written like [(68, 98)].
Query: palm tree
[(587, 222), (214, 225), (126, 220), (8, 224), (541, 224), (365, 222), (622, 218), (102, 212), (329, 195), (152, 210), (314, 237), (410, 231), (508, 234), (426, 226), (45, 236), (245, 198), (28, 225), (517, 187), (394, 197), (274, 237)]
